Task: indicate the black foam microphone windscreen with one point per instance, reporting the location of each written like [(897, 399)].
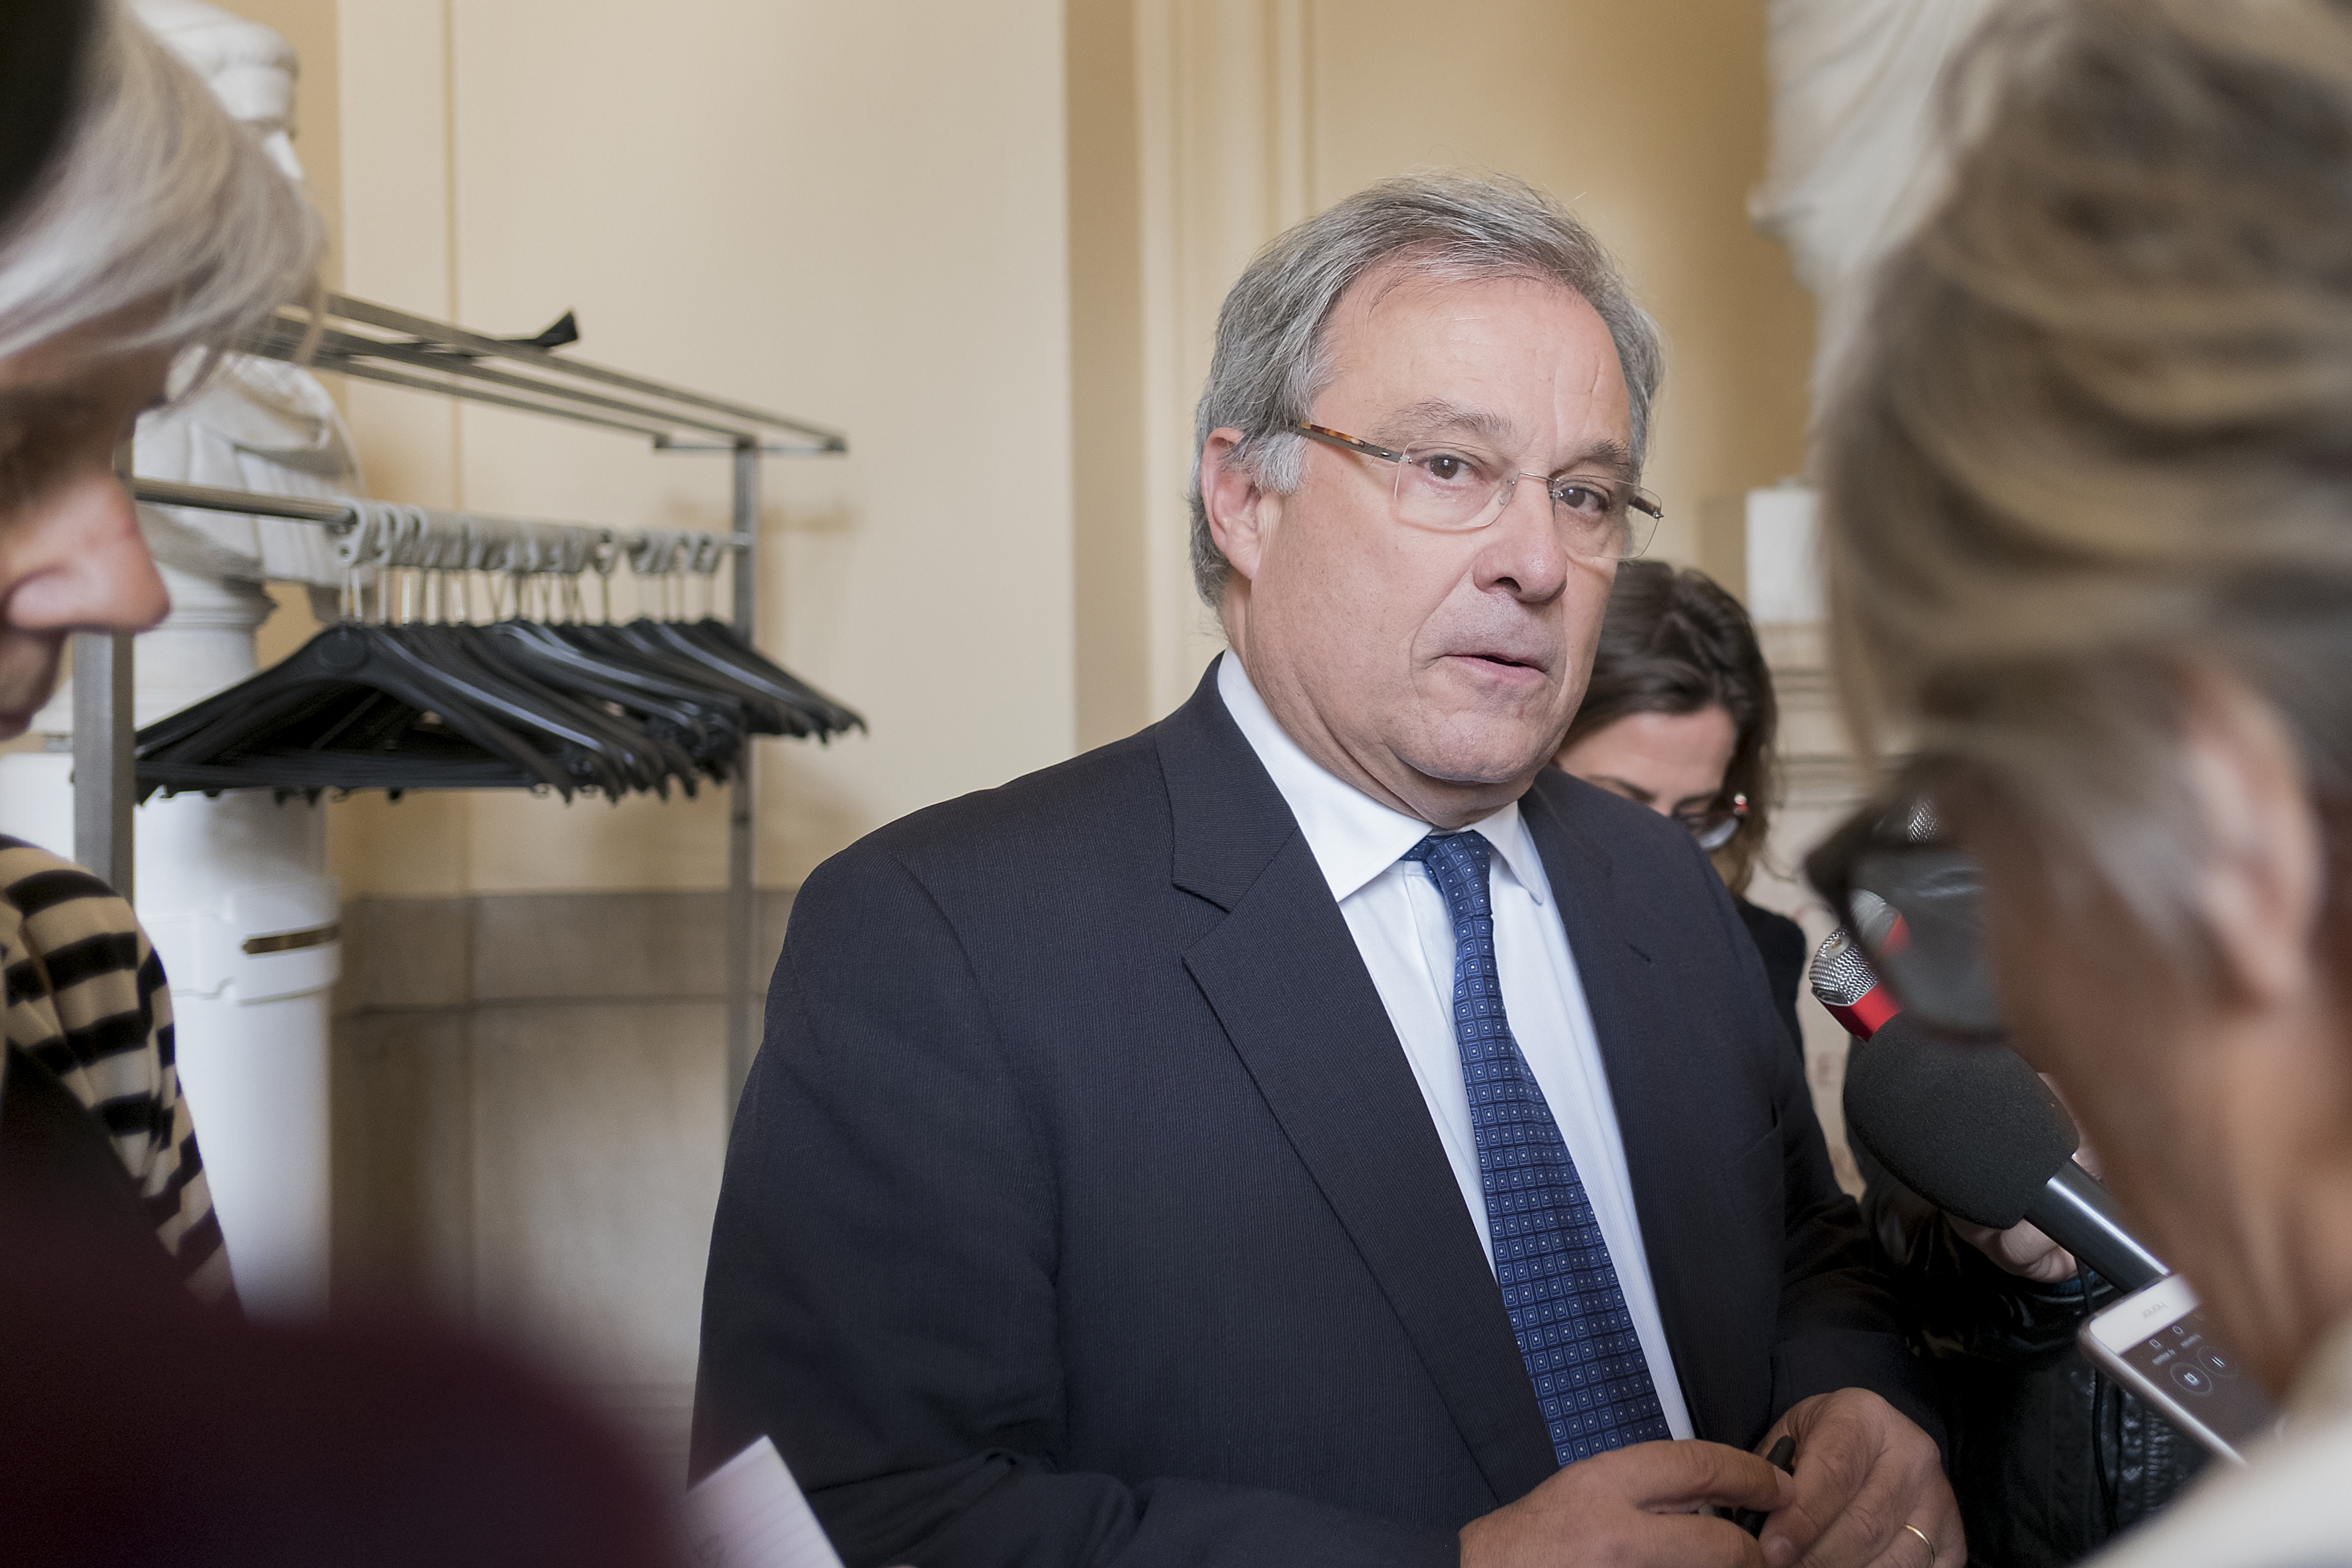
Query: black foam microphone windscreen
[(1970, 1127)]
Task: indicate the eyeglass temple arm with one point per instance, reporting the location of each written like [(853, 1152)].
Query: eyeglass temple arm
[(1330, 438)]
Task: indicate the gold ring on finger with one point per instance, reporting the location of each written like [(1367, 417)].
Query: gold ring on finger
[(1924, 1542)]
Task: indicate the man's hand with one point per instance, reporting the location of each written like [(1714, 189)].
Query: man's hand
[(1636, 1505), (1863, 1472)]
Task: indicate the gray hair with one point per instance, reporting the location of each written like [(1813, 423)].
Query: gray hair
[(1271, 360), (2098, 433), (154, 192)]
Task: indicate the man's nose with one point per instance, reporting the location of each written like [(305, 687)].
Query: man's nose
[(81, 564), (1522, 546)]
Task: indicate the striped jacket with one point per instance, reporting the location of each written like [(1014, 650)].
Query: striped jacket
[(87, 998)]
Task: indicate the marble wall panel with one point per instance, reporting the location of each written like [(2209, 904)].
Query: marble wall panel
[(553, 945), (406, 953), (402, 1157), (530, 1122), (598, 1135)]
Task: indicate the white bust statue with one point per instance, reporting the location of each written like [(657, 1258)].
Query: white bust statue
[(248, 67), (258, 424)]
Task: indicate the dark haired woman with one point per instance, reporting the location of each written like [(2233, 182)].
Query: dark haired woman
[(1679, 717)]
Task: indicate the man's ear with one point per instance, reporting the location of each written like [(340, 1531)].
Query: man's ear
[(1241, 515), (2262, 864)]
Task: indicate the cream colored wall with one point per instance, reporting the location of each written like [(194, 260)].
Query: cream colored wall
[(1649, 119), (1652, 121), (1111, 601), (858, 214), (853, 213)]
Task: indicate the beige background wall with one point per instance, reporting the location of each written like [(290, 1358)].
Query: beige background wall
[(989, 246), (853, 213), (1650, 121), (1650, 118)]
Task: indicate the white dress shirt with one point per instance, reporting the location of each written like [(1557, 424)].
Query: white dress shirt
[(1405, 934)]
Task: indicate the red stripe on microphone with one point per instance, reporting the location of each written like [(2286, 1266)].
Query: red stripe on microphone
[(1863, 1016)]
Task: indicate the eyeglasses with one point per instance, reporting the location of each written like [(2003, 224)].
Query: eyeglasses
[(1455, 487), (1715, 826), (1915, 900)]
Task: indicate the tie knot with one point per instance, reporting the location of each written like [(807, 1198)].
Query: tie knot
[(1457, 863)]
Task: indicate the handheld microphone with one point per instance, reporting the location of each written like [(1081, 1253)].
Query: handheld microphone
[(1844, 981), (1975, 1132)]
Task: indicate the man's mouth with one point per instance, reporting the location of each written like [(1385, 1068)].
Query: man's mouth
[(1505, 659)]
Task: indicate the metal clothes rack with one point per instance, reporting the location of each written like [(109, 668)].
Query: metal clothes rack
[(340, 516), (375, 343)]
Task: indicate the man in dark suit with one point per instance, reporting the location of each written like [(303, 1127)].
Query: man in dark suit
[(1307, 1132)]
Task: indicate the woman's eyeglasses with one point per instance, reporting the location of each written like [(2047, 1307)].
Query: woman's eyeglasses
[(1715, 826), (1915, 900)]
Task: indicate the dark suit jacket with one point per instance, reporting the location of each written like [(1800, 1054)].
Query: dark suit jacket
[(1780, 943), (1082, 1207)]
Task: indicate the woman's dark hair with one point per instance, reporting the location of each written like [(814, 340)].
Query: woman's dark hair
[(1674, 642)]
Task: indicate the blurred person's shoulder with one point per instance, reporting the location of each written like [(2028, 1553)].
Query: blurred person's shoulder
[(2281, 1511), (74, 957), (69, 939), (54, 901), (2283, 1508)]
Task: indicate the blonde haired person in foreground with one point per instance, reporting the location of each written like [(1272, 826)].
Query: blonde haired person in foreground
[(2089, 486), (135, 1425), (160, 225)]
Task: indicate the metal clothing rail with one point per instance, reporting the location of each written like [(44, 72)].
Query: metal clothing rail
[(375, 343), (340, 516), (351, 337)]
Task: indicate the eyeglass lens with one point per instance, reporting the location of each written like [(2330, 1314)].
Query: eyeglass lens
[(1714, 831), (1455, 487)]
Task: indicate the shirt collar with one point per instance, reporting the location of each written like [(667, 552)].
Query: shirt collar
[(1353, 836)]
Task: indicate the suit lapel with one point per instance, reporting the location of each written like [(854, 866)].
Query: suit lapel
[(1284, 977), (1676, 1183)]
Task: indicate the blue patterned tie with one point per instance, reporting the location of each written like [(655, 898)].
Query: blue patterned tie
[(1567, 1309)]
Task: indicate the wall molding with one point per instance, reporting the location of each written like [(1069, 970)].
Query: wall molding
[(1224, 138)]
